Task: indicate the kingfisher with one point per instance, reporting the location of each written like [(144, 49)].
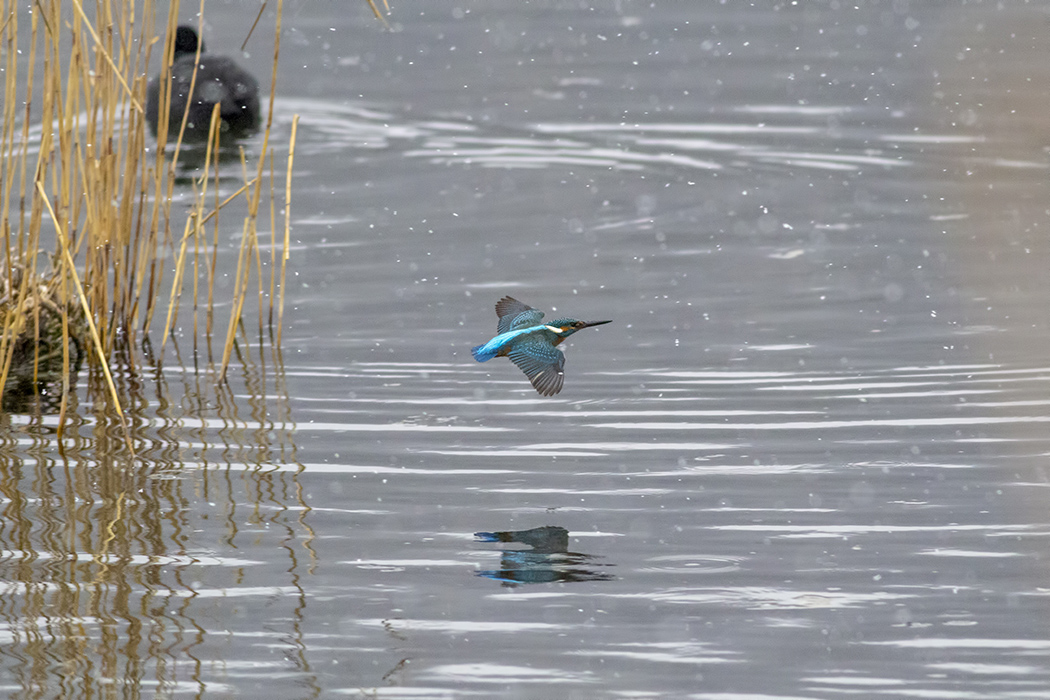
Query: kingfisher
[(531, 344)]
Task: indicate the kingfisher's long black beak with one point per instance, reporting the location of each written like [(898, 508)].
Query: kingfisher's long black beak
[(588, 324)]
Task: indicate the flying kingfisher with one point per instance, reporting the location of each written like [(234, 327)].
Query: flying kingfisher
[(530, 343)]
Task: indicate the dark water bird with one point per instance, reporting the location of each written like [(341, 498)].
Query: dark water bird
[(531, 344), (219, 81)]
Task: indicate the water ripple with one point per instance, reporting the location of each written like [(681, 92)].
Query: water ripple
[(505, 674), (619, 146)]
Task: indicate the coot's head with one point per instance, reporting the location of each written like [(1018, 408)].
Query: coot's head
[(186, 40)]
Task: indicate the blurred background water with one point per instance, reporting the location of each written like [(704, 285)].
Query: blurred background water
[(807, 460)]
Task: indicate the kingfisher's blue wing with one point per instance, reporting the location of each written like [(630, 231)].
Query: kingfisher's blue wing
[(541, 362), (526, 319), (514, 315)]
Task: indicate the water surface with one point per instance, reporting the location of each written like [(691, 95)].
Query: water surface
[(807, 460)]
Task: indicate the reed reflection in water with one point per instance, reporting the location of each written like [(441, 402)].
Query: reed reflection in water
[(118, 575)]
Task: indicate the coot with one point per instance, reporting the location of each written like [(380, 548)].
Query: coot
[(219, 80)]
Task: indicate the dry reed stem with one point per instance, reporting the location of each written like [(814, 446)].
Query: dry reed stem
[(251, 30), (66, 367), (287, 225), (71, 270), (375, 11), (193, 83), (176, 283), (273, 246)]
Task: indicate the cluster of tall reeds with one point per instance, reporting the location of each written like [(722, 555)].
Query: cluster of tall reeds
[(94, 257)]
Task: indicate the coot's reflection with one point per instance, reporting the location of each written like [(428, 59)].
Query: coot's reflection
[(548, 561)]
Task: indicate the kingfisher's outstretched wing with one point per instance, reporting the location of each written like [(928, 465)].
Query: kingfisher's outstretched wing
[(514, 315), (541, 362)]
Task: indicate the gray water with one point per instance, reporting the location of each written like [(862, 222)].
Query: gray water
[(808, 459)]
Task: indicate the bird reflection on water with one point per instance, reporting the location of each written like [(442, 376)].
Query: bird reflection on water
[(549, 560)]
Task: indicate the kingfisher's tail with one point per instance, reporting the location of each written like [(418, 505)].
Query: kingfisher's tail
[(478, 351)]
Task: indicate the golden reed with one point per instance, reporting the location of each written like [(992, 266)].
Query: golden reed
[(94, 256)]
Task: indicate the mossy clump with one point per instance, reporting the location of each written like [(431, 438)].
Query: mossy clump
[(39, 322)]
